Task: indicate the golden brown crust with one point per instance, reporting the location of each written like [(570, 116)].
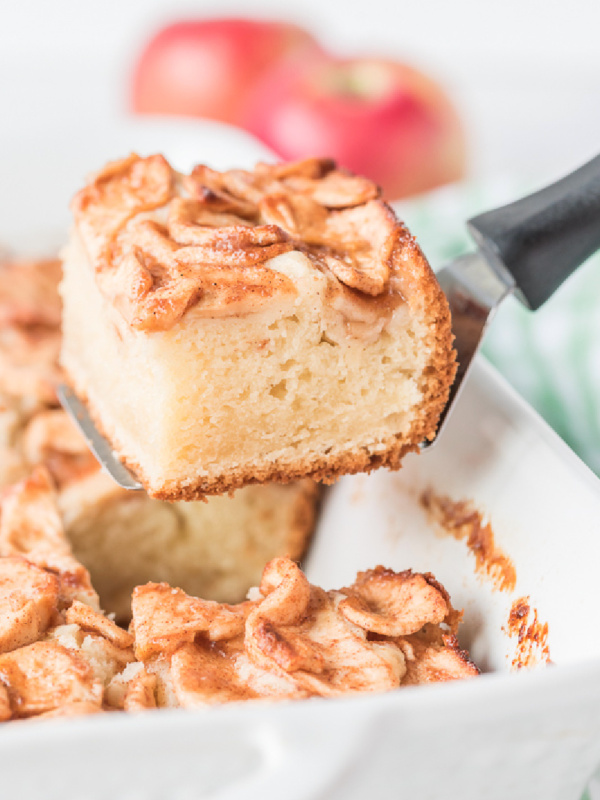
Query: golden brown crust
[(424, 294), (161, 242), (323, 468), (326, 469)]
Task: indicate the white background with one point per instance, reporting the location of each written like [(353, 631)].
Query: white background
[(526, 73)]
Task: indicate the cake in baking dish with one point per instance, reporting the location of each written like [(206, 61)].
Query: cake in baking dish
[(58, 652), (294, 640), (241, 327), (60, 655), (216, 548), (30, 312)]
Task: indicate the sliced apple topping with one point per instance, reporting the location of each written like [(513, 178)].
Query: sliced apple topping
[(45, 676), (115, 194), (28, 600), (58, 653), (161, 242), (164, 618), (292, 639), (30, 527), (393, 604), (88, 619)]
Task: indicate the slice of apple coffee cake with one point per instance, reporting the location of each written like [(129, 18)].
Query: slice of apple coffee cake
[(250, 326)]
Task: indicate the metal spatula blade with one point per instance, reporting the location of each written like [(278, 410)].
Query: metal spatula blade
[(78, 412), (527, 248), (474, 292)]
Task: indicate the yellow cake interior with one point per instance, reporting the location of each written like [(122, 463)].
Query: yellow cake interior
[(213, 395), (216, 549)]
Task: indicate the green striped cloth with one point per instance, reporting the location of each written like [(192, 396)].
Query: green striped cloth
[(552, 356)]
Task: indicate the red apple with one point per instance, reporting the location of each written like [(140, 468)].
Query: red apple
[(207, 67), (378, 118)]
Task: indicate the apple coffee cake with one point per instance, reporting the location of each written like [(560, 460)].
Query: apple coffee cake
[(58, 652), (294, 640), (60, 655), (250, 326), (216, 548)]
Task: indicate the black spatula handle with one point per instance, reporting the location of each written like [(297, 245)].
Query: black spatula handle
[(541, 239)]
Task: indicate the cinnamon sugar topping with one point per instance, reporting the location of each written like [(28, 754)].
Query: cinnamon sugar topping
[(161, 242), (140, 692), (166, 617), (88, 619), (30, 311), (28, 598), (60, 656), (50, 438), (57, 651), (45, 676), (393, 604), (296, 640), (30, 527)]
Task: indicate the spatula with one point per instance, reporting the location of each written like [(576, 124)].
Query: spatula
[(527, 248)]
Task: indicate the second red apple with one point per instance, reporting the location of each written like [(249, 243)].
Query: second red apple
[(378, 118)]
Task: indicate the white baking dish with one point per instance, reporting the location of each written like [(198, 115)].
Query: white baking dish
[(502, 736)]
